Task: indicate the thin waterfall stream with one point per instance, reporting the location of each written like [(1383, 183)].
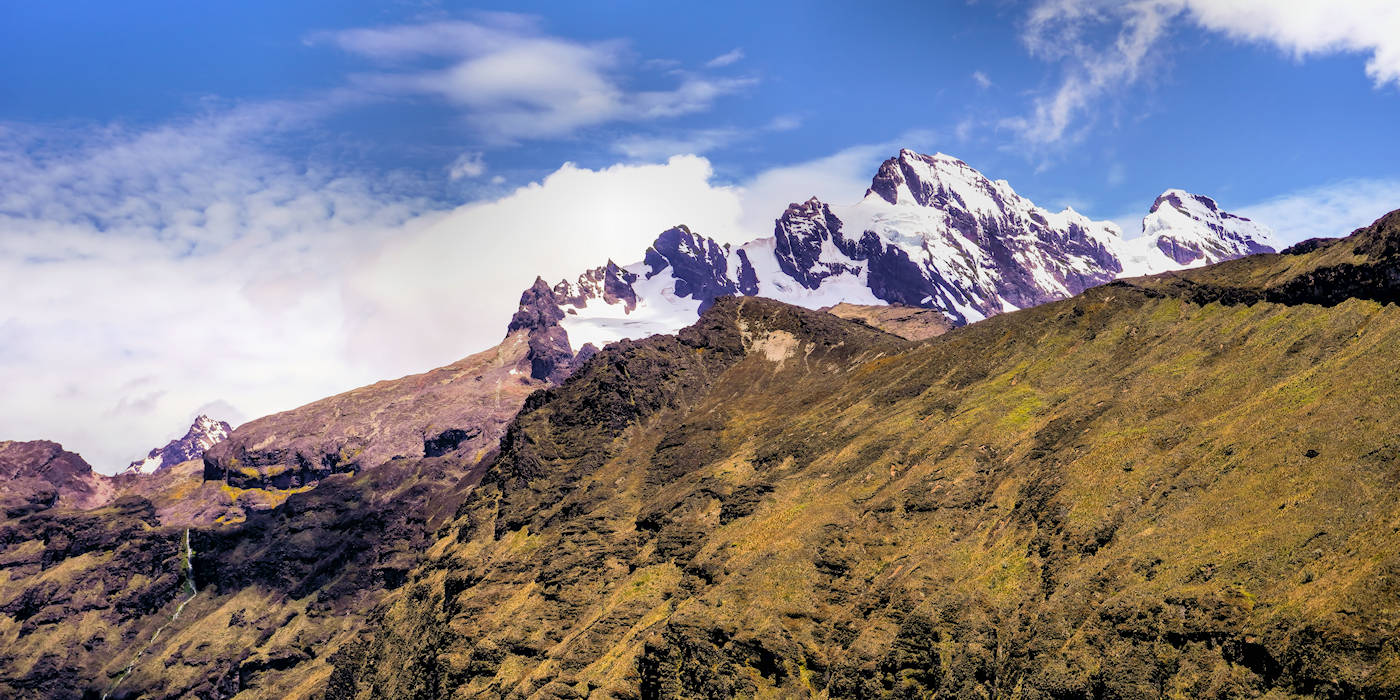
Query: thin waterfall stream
[(193, 591)]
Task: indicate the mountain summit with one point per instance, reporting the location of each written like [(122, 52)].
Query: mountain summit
[(203, 434), (931, 232), (1185, 230)]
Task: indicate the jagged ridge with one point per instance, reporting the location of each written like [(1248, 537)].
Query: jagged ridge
[(931, 232)]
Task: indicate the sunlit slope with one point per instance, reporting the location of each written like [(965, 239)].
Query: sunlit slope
[(1127, 494)]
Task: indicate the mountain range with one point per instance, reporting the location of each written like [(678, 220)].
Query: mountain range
[(940, 443), (931, 232)]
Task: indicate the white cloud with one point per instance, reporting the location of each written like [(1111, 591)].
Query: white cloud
[(1107, 45), (148, 274), (726, 59), (1117, 175), (1327, 211), (514, 82), (1308, 27), (472, 164), (981, 79), (785, 122), (658, 147)]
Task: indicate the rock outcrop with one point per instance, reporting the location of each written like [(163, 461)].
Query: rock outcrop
[(465, 405), (40, 474)]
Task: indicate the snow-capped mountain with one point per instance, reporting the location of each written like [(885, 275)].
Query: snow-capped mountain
[(1190, 230), (202, 435), (930, 232)]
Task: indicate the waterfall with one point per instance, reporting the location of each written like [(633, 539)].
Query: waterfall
[(190, 587)]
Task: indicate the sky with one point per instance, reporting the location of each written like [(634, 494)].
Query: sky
[(237, 208)]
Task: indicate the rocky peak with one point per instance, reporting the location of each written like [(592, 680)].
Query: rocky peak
[(39, 473), (203, 434), (800, 235), (937, 180), (698, 264), (1178, 200), (1190, 230)]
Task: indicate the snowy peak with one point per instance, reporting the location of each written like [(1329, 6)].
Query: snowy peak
[(980, 247), (931, 232), (203, 434), (936, 180), (699, 265), (1184, 230), (807, 243)]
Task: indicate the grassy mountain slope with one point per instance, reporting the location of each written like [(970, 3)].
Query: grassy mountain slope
[(1139, 492), (285, 576)]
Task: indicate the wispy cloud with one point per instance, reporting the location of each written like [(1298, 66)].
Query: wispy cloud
[(1330, 210), (726, 59), (515, 82), (1057, 31), (694, 142), (982, 80), (1105, 46), (660, 146), (472, 164)]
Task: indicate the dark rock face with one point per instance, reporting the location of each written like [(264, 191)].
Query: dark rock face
[(617, 286), (1308, 246), (42, 473), (550, 356), (242, 468), (748, 279), (887, 181), (540, 314), (538, 309), (798, 237), (1174, 200), (696, 262), (541, 310), (1182, 253), (447, 441), (53, 562)]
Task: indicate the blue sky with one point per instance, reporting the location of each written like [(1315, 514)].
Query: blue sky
[(240, 207), (1241, 120)]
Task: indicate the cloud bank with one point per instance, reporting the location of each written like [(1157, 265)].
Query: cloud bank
[(154, 273)]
